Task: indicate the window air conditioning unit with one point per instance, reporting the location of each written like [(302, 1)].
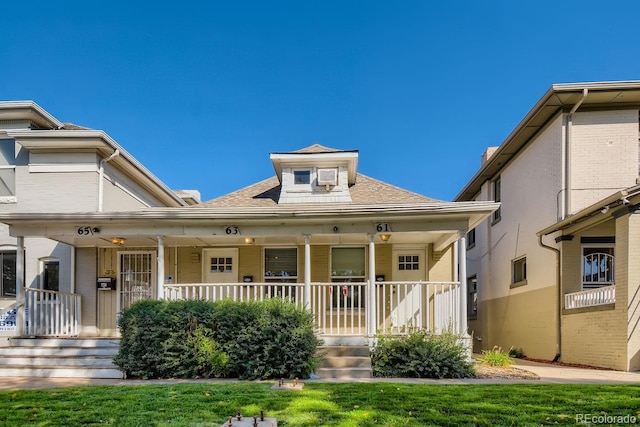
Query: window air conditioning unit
[(327, 176)]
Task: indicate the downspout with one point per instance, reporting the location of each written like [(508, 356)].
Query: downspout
[(559, 287), (567, 157), (101, 178)]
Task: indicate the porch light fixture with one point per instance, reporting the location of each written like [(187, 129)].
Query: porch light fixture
[(385, 237), (249, 240), (118, 241)]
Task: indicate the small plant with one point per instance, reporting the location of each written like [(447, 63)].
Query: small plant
[(496, 357), (517, 353)]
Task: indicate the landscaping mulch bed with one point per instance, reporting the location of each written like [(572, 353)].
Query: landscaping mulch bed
[(568, 365)]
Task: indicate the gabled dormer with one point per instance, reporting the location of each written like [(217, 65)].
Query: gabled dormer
[(316, 174)]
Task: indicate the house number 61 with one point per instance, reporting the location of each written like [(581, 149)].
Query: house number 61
[(383, 227)]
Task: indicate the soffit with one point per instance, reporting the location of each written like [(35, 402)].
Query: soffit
[(558, 99)]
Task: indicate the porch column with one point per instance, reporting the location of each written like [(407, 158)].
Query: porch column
[(160, 277), (20, 292), (372, 286), (307, 271), (462, 277)]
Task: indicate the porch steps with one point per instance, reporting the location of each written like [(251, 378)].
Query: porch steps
[(60, 358), (345, 362)]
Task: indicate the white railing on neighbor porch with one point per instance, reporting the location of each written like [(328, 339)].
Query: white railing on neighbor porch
[(50, 313), (591, 297), (343, 308)]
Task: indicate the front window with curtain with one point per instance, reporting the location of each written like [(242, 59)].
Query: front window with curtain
[(281, 265), (348, 265)]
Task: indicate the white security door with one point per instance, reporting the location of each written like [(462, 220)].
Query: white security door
[(220, 265), (408, 299), (136, 277)]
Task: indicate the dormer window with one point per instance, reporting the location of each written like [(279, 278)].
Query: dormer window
[(302, 177)]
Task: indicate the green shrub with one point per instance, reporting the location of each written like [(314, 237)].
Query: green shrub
[(421, 355), (496, 357), (198, 339)]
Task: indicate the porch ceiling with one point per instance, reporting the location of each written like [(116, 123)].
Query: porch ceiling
[(440, 223)]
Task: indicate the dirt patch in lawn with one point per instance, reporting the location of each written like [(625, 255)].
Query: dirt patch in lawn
[(510, 373)]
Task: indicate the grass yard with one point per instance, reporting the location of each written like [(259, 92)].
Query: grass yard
[(319, 404)]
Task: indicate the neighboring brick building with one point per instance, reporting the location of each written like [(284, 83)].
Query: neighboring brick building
[(554, 271)]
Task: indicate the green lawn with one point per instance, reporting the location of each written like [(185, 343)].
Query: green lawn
[(319, 404)]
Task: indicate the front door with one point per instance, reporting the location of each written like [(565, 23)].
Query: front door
[(408, 299), (220, 265), (136, 277)]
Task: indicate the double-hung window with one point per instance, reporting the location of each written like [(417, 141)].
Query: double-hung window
[(8, 278), (7, 169), (497, 197), (472, 297), (50, 275)]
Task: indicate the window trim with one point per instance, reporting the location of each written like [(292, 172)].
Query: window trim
[(8, 250), (42, 263), (515, 263), (496, 193), (472, 314), (471, 242), (602, 245), (297, 170), (284, 279)]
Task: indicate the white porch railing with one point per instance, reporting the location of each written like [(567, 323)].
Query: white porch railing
[(50, 313), (591, 297), (344, 308), (430, 306)]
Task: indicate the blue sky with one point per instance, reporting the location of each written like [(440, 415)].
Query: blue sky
[(202, 92)]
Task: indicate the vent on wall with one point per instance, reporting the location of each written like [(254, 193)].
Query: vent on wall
[(327, 176)]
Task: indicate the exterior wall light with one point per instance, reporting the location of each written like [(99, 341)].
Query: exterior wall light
[(249, 240), (385, 237), (118, 241)]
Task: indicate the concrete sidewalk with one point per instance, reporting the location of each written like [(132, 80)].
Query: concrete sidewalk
[(548, 373)]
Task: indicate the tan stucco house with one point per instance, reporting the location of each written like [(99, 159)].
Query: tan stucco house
[(364, 256), (553, 271)]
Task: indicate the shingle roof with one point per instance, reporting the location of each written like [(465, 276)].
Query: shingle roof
[(317, 148), (366, 191), (72, 126)]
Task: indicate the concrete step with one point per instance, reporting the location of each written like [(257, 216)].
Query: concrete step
[(345, 350), (60, 372), (53, 351), (344, 373), (60, 358), (346, 362), (71, 361), (65, 342)]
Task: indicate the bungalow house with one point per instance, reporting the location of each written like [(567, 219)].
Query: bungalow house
[(554, 271), (364, 256)]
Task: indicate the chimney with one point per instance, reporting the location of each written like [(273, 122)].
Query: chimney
[(487, 154)]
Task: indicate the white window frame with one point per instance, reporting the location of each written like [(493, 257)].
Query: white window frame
[(519, 271), (471, 301), (301, 184), (496, 192)]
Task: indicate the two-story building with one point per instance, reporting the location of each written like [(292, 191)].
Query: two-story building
[(554, 271)]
